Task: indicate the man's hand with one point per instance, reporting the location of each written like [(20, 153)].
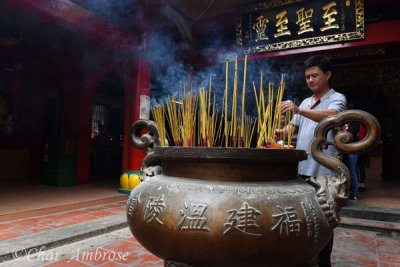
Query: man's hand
[(289, 105), (315, 115), (286, 130)]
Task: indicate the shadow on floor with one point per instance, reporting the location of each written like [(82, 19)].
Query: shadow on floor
[(22, 201)]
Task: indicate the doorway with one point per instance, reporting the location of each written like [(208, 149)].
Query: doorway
[(107, 131)]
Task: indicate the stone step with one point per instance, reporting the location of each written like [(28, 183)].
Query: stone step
[(370, 213), (377, 219), (386, 228), (45, 240)]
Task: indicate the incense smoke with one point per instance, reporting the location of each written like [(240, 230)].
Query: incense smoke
[(169, 75)]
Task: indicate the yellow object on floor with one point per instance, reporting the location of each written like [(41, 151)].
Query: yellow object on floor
[(129, 180), (133, 181), (124, 181)]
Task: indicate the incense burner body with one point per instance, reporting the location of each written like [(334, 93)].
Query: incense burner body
[(228, 207), (236, 206)]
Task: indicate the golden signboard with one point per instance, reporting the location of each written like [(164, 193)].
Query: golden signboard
[(285, 24)]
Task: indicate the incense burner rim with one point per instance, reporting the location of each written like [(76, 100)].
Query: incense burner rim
[(228, 154)]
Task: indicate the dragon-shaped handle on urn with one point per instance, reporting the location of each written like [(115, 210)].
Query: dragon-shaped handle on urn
[(146, 141), (333, 192)]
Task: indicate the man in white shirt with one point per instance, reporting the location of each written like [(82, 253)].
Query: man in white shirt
[(323, 103)]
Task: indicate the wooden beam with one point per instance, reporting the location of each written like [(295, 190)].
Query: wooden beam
[(75, 18)]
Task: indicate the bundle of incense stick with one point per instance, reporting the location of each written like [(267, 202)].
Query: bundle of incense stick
[(219, 134), (233, 128), (203, 120), (268, 114), (243, 123), (264, 115), (234, 134), (248, 130), (207, 120), (289, 125), (188, 126), (174, 116), (225, 106), (278, 113), (269, 118), (159, 118), (292, 126)]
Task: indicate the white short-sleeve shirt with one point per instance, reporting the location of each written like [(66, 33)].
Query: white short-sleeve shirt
[(332, 100)]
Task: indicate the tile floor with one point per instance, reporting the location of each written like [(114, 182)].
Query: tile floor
[(380, 194), (27, 226), (356, 248), (34, 200)]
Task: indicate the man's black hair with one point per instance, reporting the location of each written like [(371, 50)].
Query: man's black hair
[(322, 62)]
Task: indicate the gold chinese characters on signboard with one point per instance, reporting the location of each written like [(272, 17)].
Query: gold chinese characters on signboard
[(284, 24)]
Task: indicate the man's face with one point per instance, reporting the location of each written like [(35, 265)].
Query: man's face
[(316, 79)]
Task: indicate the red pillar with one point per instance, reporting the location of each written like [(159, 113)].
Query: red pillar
[(139, 92), (138, 106)]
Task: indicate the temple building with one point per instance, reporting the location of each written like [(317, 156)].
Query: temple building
[(76, 74)]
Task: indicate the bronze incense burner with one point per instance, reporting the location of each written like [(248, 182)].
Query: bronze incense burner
[(219, 206)]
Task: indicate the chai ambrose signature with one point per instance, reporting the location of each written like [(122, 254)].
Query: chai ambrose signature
[(42, 254)]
